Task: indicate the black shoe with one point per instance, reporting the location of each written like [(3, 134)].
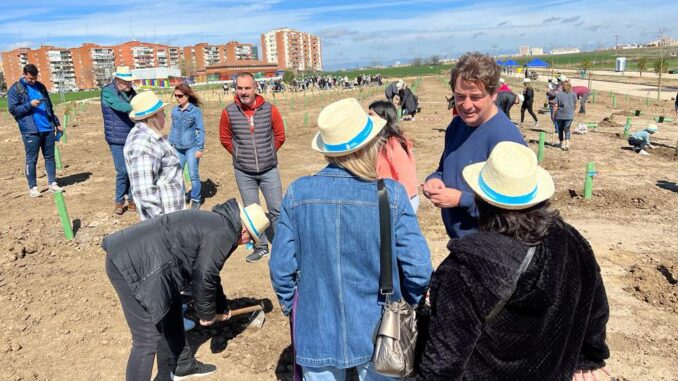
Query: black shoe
[(257, 254), (197, 370)]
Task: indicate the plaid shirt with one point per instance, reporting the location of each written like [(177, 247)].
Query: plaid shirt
[(154, 173)]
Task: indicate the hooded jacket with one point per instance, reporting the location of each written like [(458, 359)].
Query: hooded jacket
[(19, 105), (160, 257), (553, 324)]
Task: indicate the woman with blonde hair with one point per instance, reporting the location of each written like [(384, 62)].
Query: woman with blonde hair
[(152, 164), (329, 231)]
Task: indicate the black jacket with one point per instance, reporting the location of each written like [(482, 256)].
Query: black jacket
[(391, 91), (408, 100), (553, 324), (505, 100), (528, 94), (160, 257)]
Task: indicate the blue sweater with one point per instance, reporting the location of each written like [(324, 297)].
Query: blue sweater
[(466, 145)]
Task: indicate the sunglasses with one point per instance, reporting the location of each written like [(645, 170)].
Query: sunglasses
[(178, 96)]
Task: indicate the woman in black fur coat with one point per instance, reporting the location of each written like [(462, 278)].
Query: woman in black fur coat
[(489, 321)]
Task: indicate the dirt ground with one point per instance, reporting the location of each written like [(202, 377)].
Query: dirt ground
[(61, 319)]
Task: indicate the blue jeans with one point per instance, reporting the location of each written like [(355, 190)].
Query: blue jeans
[(365, 373), (33, 143), (563, 126), (188, 155), (122, 185), (269, 182)]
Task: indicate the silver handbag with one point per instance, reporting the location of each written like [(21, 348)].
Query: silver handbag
[(396, 336)]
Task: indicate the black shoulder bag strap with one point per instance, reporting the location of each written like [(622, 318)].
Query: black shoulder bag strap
[(386, 269), (523, 266)]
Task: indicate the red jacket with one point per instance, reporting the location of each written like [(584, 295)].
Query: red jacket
[(226, 135)]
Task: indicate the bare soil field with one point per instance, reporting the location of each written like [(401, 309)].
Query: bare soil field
[(61, 319)]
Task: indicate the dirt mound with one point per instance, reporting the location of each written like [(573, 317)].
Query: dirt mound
[(655, 284)]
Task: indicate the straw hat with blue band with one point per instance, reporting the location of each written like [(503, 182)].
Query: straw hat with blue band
[(124, 73), (344, 127), (254, 220), (145, 104), (510, 178)]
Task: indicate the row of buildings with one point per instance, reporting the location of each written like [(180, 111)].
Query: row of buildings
[(527, 51), (91, 65)]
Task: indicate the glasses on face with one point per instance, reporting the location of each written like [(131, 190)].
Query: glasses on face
[(178, 96)]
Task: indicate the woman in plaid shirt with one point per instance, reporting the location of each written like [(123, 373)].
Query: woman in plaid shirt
[(152, 164)]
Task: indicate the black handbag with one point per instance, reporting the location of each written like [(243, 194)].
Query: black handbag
[(396, 336)]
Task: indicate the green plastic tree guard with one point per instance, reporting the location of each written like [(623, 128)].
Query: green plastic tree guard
[(588, 182), (542, 140), (627, 127), (57, 157), (305, 119), (63, 215), (187, 177)]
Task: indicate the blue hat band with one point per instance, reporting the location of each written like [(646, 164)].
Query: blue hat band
[(123, 74), (249, 220), (362, 135), (504, 199), (150, 110)]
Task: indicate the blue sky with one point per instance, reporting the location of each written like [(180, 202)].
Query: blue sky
[(352, 32)]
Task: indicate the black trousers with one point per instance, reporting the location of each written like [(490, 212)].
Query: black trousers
[(638, 144), (528, 107), (167, 338)]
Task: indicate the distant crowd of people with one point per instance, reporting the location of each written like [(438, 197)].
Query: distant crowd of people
[(520, 295)]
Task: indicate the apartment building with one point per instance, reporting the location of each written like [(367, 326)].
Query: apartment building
[(13, 63), (94, 65), (143, 55), (292, 49), (236, 51), (197, 58)]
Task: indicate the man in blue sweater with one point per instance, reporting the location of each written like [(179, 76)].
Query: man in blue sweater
[(29, 104), (469, 139)]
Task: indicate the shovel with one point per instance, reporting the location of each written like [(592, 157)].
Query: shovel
[(257, 315)]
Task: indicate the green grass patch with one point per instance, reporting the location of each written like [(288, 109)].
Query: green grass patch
[(606, 59), (392, 72), (56, 98)]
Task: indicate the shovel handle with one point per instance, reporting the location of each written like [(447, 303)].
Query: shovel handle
[(246, 310)]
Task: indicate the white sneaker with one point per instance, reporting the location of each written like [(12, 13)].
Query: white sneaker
[(34, 192), (643, 152), (54, 187)]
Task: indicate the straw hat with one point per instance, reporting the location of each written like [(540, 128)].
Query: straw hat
[(124, 73), (344, 127), (254, 220), (526, 80), (510, 178), (145, 104), (563, 78), (651, 128), (400, 84), (501, 80)]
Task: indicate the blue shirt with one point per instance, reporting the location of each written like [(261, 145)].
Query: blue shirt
[(642, 135), (187, 128), (39, 113), (466, 145)]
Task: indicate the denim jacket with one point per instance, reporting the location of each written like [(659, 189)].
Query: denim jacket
[(326, 249), (187, 128)]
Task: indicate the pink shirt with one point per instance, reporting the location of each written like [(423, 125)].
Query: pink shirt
[(394, 163)]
